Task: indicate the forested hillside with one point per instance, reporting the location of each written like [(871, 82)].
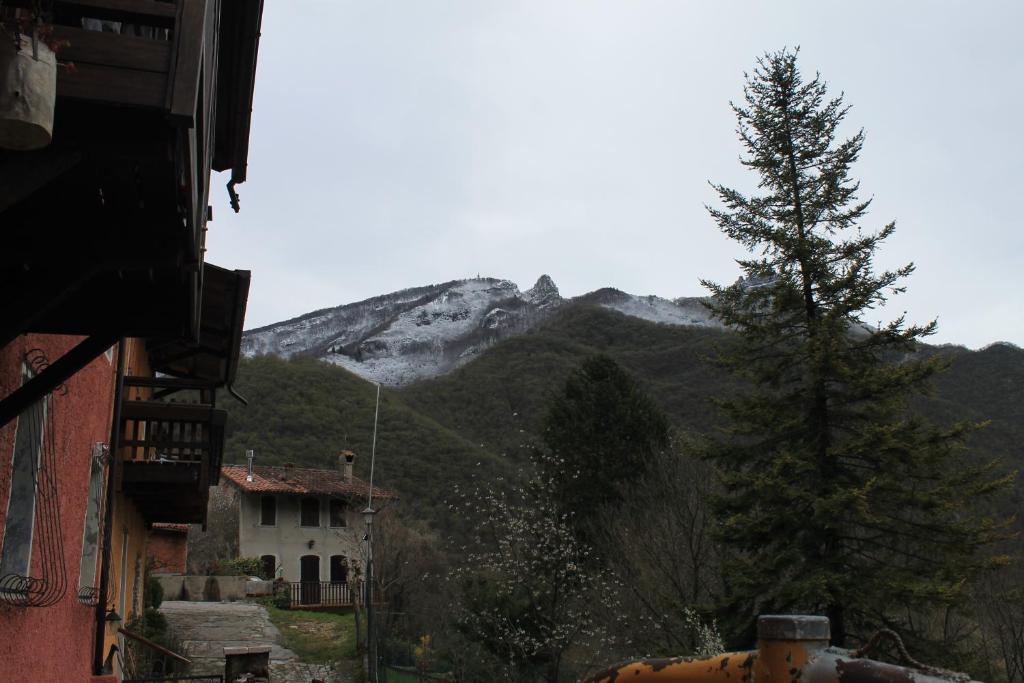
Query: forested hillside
[(304, 411), (442, 432)]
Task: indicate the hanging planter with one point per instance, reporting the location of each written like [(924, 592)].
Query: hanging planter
[(28, 89)]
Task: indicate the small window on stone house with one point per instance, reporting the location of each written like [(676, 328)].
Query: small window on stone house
[(268, 511), (309, 512), (338, 510)]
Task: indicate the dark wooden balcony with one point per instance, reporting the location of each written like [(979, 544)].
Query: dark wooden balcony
[(145, 53), (105, 227), (170, 456)]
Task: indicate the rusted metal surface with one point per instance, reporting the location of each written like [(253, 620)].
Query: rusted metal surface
[(733, 667), (790, 649)]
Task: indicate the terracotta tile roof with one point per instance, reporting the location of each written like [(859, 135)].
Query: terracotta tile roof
[(299, 481), (164, 526)]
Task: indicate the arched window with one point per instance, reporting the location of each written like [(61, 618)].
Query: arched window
[(339, 569), (309, 512)]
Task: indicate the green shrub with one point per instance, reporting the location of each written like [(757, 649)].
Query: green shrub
[(153, 596), (282, 595), (153, 622), (143, 661), (240, 566)]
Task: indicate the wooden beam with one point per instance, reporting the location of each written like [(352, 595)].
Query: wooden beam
[(41, 300), (113, 49), (98, 83), (23, 173), (55, 375), (136, 9), (168, 383), (183, 90), (163, 473), (174, 412)]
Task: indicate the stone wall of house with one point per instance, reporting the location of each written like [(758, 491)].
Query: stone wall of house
[(288, 541)]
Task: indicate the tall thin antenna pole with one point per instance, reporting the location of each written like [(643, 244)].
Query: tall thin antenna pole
[(373, 448), (371, 634)]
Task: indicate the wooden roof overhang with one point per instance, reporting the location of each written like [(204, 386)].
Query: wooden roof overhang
[(104, 229), (240, 36), (213, 358)]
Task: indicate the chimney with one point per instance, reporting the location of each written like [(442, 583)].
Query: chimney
[(249, 456), (286, 470), (345, 460)]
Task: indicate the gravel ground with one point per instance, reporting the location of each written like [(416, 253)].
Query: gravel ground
[(206, 628)]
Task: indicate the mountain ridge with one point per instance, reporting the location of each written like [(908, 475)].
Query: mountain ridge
[(480, 419), (423, 332)]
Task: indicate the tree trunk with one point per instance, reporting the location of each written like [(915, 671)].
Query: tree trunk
[(837, 624)]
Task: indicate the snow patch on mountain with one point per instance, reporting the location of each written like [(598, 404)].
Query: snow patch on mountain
[(684, 311), (544, 293), (424, 332), (338, 327), (658, 310), (413, 334)]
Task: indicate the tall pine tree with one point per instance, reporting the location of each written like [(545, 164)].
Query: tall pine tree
[(601, 433), (836, 499)]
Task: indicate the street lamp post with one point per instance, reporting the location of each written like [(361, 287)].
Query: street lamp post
[(371, 636)]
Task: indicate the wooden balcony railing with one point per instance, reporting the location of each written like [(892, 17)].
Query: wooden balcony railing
[(170, 454), (154, 431), (157, 59), (145, 53)]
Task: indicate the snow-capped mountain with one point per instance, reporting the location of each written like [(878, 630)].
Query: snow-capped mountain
[(427, 331), (682, 311)]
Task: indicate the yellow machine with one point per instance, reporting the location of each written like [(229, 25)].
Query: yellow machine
[(790, 649)]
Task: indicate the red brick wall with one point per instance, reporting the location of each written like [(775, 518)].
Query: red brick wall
[(56, 643), (167, 551)]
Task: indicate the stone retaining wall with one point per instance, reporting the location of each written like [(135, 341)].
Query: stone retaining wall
[(212, 588)]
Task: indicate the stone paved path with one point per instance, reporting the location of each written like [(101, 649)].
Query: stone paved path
[(206, 628)]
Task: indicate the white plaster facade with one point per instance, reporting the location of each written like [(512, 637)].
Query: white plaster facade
[(288, 540)]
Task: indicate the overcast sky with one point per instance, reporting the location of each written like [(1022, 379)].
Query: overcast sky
[(397, 144)]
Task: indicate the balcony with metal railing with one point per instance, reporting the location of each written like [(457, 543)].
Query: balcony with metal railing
[(321, 594)]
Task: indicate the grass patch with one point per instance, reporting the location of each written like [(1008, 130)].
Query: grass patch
[(316, 637), (395, 676)]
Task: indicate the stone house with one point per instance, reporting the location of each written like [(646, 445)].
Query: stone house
[(303, 523)]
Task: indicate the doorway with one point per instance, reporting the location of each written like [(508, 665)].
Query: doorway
[(309, 576)]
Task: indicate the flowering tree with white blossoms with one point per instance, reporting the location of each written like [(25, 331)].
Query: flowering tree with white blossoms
[(531, 594)]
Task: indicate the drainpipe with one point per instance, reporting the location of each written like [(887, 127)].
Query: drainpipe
[(108, 515)]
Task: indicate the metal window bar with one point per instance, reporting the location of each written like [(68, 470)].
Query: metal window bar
[(50, 584), (89, 595)]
